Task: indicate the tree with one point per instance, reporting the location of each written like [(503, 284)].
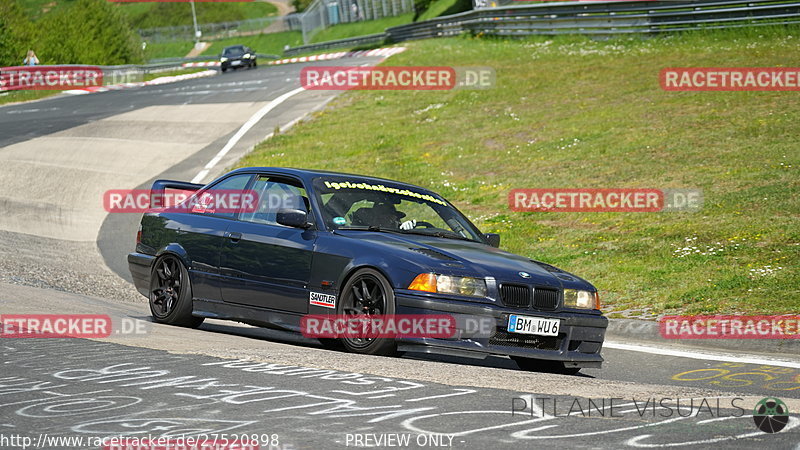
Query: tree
[(16, 33)]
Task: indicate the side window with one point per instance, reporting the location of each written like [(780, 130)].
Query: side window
[(227, 188), (275, 194)]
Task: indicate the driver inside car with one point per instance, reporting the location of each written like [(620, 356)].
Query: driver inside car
[(386, 215)]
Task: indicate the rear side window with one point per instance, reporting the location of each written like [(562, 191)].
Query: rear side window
[(230, 185), (275, 194)]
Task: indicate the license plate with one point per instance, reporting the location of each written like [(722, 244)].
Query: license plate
[(236, 63), (533, 325)]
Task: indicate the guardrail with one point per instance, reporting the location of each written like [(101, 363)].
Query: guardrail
[(158, 62), (601, 19), (369, 39)]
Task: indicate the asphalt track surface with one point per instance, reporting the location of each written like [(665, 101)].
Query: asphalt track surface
[(229, 379)]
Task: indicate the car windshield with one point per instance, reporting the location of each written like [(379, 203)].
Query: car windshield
[(233, 51), (353, 203)]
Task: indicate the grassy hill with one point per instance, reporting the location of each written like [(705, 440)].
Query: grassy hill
[(165, 14), (578, 113)]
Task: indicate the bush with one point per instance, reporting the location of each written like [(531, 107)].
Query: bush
[(16, 33), (80, 32), (301, 5), (88, 32)]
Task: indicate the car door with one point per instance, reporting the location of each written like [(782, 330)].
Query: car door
[(265, 264), (200, 233)]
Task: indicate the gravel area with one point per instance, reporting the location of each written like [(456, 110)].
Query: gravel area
[(66, 266)]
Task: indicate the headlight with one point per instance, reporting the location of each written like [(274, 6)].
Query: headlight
[(246, 55), (223, 59), (446, 284), (574, 298)]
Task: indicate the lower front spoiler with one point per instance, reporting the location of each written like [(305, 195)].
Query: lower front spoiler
[(578, 343)]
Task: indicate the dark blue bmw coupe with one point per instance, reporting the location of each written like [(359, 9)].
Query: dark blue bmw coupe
[(317, 243)]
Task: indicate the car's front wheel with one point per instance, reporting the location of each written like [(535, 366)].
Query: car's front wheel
[(541, 365), (366, 294), (171, 293)]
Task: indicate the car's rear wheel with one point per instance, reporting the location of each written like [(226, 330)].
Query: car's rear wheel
[(543, 365), (171, 293), (367, 293)]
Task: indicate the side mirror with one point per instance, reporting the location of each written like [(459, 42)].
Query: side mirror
[(493, 239), (292, 218)]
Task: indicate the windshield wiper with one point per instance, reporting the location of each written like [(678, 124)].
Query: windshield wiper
[(439, 233), (421, 232), (370, 228)]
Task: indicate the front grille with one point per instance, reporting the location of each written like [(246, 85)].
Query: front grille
[(515, 295), (544, 298), (503, 339)]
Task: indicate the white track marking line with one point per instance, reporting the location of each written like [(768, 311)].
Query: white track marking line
[(249, 124), (700, 354), (244, 129)]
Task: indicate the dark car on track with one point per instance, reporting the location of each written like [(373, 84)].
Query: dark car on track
[(237, 56), (321, 243)]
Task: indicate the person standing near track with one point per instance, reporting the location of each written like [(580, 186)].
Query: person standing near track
[(31, 59)]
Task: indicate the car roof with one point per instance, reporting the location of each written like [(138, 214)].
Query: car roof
[(308, 174), (230, 47)]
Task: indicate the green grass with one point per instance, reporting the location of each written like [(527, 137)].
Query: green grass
[(347, 30), (36, 8), (155, 50), (444, 7), (166, 14), (25, 96), (578, 113), (271, 43)]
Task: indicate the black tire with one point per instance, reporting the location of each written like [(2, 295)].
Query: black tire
[(541, 365), (222, 69), (367, 292), (255, 64), (171, 293)]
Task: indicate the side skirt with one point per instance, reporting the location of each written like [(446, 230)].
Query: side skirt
[(260, 317)]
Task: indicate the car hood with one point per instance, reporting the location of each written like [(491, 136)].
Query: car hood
[(459, 257)]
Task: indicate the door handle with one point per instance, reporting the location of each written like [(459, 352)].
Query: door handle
[(234, 237)]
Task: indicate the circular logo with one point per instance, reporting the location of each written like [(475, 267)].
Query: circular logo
[(524, 274), (771, 415)]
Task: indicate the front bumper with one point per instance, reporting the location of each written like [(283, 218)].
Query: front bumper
[(229, 64), (578, 343), (140, 266)]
